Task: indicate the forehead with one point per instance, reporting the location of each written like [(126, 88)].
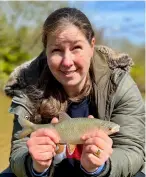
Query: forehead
[(69, 34)]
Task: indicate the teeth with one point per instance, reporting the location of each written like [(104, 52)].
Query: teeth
[(68, 72)]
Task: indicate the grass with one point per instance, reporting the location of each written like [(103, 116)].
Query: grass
[(6, 123)]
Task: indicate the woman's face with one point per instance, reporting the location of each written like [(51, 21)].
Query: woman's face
[(68, 56)]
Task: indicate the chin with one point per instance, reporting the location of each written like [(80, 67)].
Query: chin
[(70, 83)]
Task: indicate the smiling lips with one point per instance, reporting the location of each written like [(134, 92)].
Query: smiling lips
[(68, 72)]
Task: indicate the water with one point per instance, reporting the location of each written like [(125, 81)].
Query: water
[(6, 120)]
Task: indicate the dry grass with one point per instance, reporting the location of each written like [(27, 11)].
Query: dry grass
[(6, 122)]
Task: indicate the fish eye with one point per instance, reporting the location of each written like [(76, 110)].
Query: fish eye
[(110, 128)]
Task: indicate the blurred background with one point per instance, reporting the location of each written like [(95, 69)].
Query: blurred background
[(120, 25)]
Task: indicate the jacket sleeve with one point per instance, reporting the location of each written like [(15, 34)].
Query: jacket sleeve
[(128, 144), (20, 159), (19, 150)]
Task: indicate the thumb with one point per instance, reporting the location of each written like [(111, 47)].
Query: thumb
[(90, 116), (54, 120)]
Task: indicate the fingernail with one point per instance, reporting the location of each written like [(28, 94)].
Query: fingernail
[(57, 141), (83, 137), (54, 154)]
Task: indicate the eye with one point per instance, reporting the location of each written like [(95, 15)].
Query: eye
[(77, 47), (110, 128), (56, 50)]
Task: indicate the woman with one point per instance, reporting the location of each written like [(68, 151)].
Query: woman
[(84, 80)]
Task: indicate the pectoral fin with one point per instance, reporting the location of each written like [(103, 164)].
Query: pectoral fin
[(60, 148), (71, 148)]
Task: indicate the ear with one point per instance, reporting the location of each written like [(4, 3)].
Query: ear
[(93, 43)]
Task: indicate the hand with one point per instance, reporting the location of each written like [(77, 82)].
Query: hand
[(42, 146), (94, 141)]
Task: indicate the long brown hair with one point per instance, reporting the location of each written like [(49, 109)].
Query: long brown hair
[(49, 95)]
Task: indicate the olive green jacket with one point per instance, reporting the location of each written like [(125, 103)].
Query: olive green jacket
[(117, 99)]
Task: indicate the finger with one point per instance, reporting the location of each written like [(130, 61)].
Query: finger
[(100, 143), (91, 149), (98, 133), (40, 141), (51, 133), (94, 160), (43, 148), (90, 116), (45, 163), (96, 152), (43, 156), (35, 151), (54, 120)]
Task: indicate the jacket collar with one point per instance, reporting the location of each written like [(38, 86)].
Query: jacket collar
[(105, 60)]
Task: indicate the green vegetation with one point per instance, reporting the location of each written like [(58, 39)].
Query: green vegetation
[(20, 40), (12, 52), (20, 32), (20, 37), (137, 53)]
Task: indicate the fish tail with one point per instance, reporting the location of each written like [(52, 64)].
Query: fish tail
[(23, 133), (27, 128)]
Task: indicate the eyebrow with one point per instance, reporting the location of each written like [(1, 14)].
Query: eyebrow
[(77, 41), (59, 43)]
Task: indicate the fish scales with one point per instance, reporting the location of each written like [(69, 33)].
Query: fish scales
[(70, 129)]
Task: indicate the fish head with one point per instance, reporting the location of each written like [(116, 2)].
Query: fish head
[(113, 129), (110, 127)]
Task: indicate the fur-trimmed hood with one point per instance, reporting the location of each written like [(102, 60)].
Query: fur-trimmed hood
[(116, 99), (28, 73)]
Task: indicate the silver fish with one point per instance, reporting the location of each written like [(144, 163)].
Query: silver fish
[(69, 129)]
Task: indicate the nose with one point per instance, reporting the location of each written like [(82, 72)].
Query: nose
[(67, 60)]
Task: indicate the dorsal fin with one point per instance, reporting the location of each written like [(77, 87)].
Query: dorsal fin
[(63, 116)]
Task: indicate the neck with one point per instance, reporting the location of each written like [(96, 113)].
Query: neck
[(74, 91)]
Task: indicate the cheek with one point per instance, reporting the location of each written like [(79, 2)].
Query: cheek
[(53, 62), (83, 61)]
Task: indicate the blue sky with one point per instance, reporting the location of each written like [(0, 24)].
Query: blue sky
[(121, 19)]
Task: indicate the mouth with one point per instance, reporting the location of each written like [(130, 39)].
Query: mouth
[(115, 129), (69, 72)]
